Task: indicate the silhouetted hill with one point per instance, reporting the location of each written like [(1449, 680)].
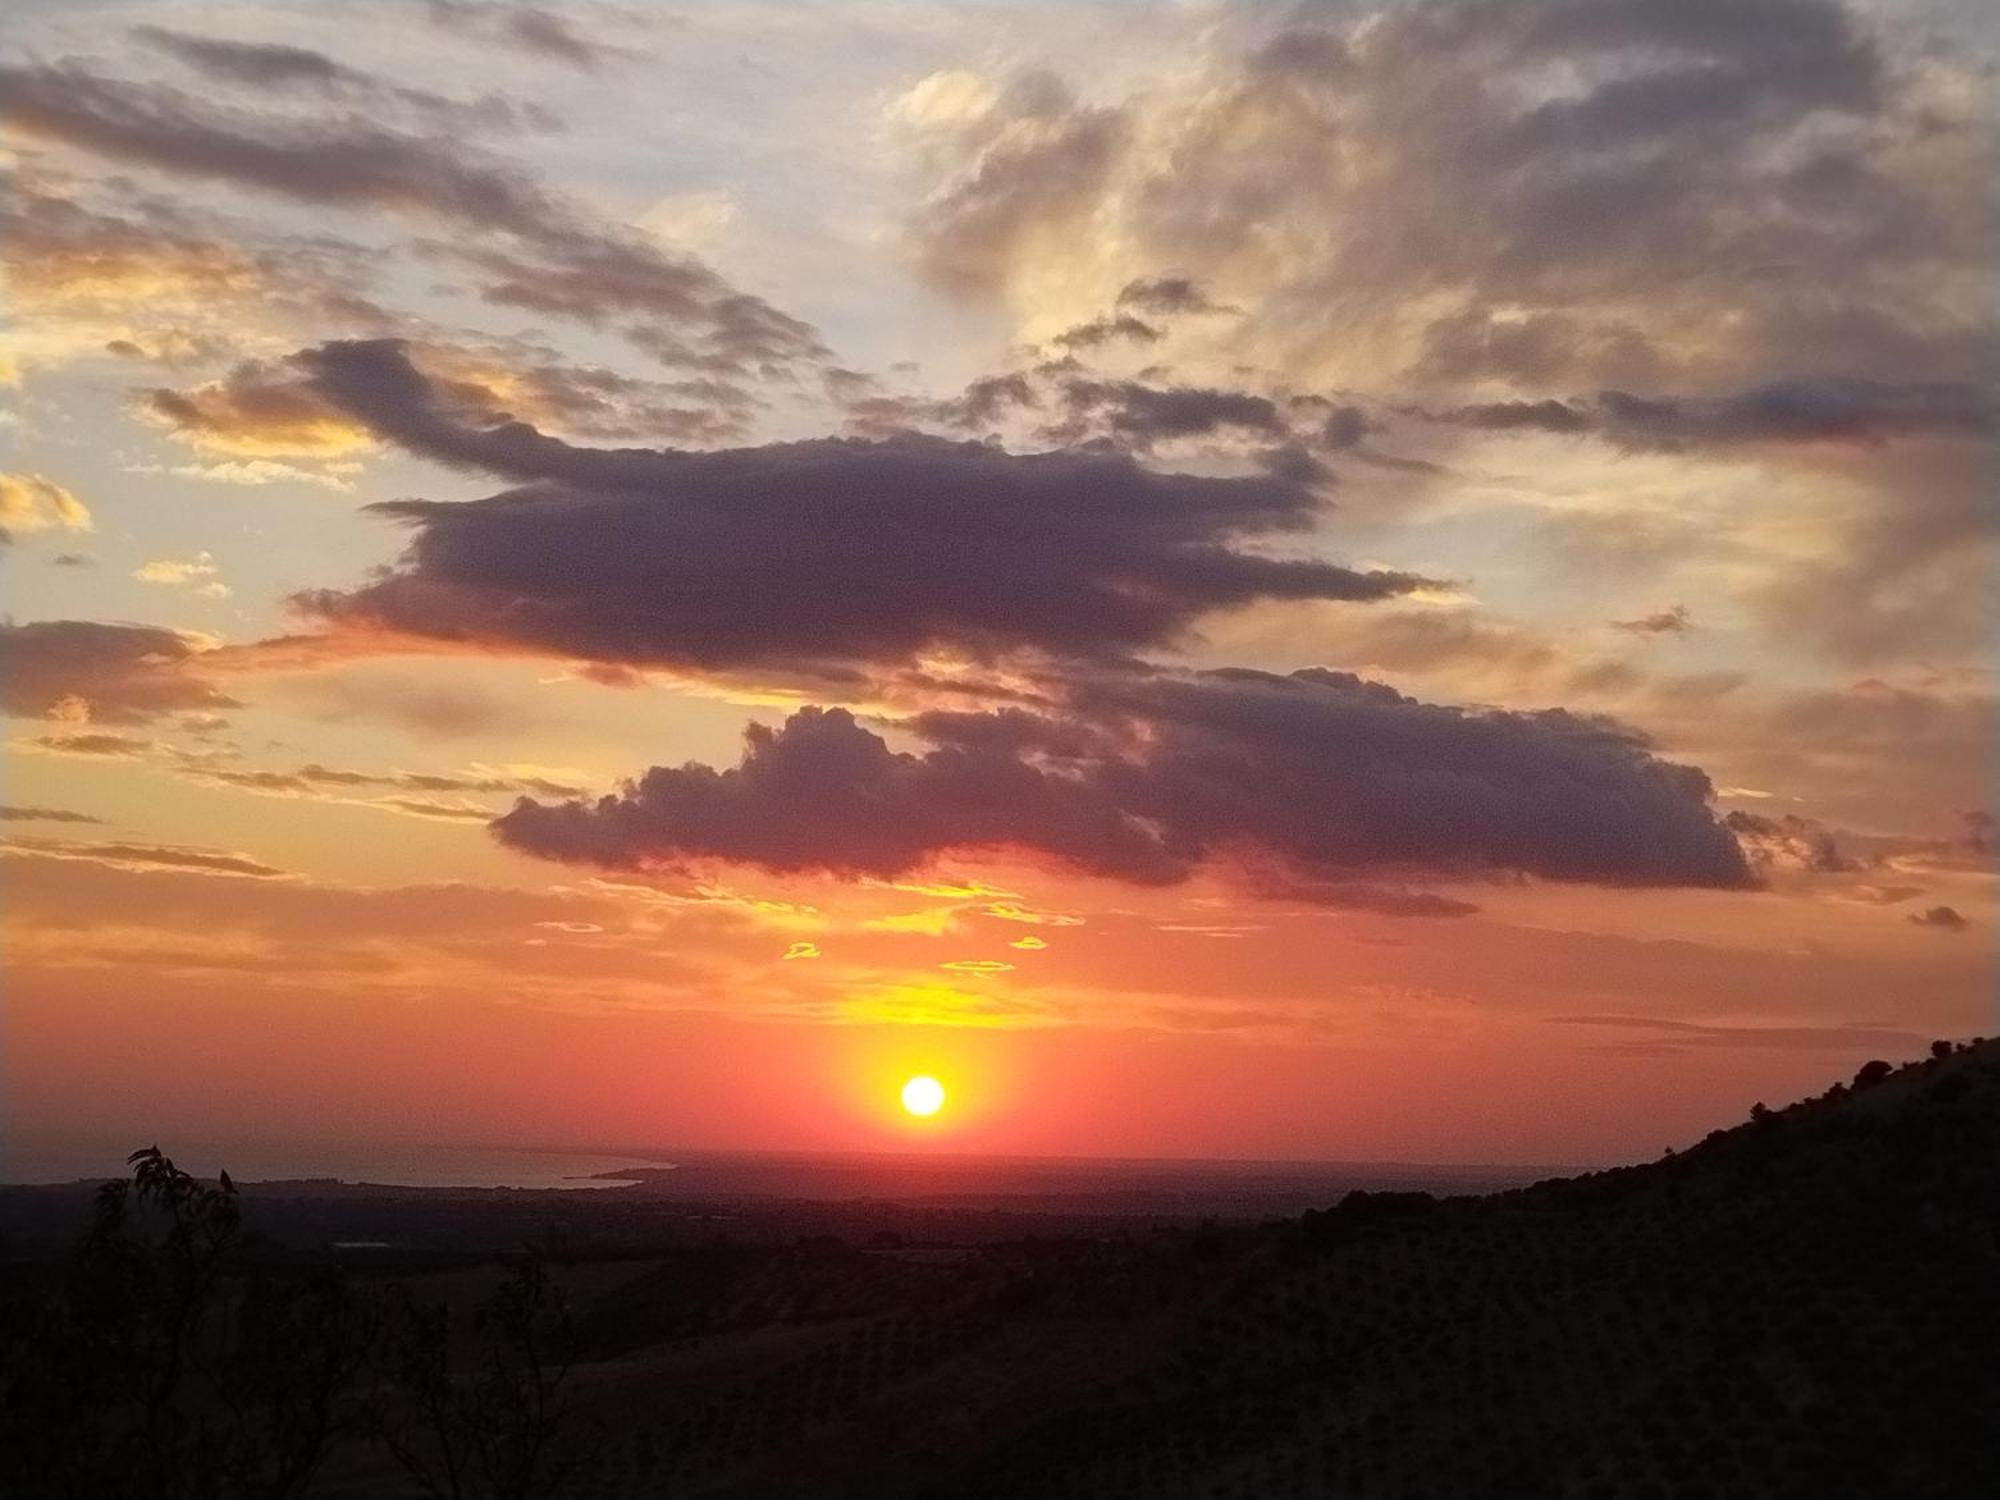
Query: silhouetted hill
[(1803, 1305)]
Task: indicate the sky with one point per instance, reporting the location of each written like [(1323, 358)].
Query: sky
[(1399, 582)]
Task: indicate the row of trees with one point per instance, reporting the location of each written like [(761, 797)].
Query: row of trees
[(165, 1359)]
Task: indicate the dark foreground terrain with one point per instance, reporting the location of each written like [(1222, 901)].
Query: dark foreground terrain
[(1808, 1305)]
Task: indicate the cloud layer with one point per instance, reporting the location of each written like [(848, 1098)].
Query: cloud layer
[(814, 556), (106, 674), (1828, 410), (1146, 777), (529, 246), (1538, 193)]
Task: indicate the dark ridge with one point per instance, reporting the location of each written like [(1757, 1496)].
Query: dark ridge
[(1802, 1305)]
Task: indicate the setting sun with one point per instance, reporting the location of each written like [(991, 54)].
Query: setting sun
[(1335, 608), (923, 1095)]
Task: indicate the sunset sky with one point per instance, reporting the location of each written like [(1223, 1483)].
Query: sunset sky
[(1394, 582)]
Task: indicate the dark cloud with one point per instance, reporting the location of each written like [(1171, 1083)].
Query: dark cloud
[(262, 64), (1335, 895), (146, 857), (688, 315), (589, 401), (1804, 411), (1146, 777), (1396, 463), (1675, 621), (1166, 297), (1943, 918), (1345, 428), (348, 161), (562, 261), (1160, 299), (117, 674), (329, 782), (414, 794), (266, 407), (44, 815), (93, 743), (1101, 331), (855, 552), (990, 397), (315, 777), (1532, 416), (1825, 410), (1675, 1036), (1790, 840), (845, 387), (256, 409), (281, 67), (1059, 402), (431, 807), (544, 32), (1141, 415)]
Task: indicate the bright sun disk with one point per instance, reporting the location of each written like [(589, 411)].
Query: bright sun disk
[(923, 1095)]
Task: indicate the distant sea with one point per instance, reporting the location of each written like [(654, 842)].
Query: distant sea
[(1096, 1184), (68, 1160)]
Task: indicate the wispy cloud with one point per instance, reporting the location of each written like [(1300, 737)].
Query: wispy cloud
[(144, 857)]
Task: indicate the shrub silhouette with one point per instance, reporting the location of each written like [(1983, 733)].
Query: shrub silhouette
[(163, 1361), (141, 1373), (491, 1424)]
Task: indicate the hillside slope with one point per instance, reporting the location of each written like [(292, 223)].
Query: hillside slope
[(1808, 1304)]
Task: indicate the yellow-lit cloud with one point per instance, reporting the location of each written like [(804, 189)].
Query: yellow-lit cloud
[(33, 502)]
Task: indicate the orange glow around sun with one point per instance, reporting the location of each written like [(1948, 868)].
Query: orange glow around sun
[(923, 1096)]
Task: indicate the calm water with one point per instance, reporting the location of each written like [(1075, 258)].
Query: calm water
[(66, 1160), (1101, 1185)]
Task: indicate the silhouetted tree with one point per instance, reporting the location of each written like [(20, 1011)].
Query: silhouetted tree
[(156, 1363), (1872, 1073), (487, 1417), (147, 1370)]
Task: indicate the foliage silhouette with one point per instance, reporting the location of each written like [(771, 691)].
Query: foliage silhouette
[(169, 1359), (495, 1423), (149, 1370)]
